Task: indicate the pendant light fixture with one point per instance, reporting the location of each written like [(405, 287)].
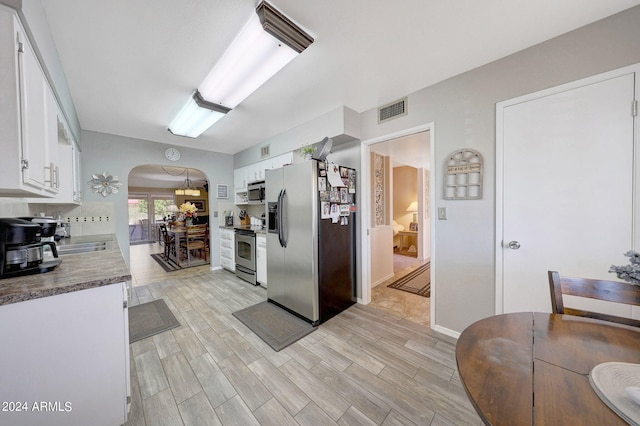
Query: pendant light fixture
[(267, 42), (187, 188)]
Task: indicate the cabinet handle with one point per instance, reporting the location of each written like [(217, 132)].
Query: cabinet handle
[(25, 164), (52, 176), (57, 177)]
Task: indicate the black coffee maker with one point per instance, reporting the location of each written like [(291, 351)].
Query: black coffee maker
[(21, 248)]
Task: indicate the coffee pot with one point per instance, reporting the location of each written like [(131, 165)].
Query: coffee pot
[(21, 247)]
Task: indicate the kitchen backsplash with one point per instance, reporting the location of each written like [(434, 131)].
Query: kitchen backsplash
[(91, 218)]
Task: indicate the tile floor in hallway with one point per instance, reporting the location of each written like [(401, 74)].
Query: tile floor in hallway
[(362, 367), (406, 305)]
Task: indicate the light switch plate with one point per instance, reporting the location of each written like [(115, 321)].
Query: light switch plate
[(442, 213)]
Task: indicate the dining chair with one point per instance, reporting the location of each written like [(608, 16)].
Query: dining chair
[(195, 241), (169, 242), (611, 291)]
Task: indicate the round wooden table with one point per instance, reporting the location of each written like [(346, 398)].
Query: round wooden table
[(533, 368)]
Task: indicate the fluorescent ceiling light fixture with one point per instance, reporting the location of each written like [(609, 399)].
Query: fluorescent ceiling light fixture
[(267, 43), (196, 116)]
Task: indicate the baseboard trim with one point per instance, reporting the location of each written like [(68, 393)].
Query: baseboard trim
[(445, 331)]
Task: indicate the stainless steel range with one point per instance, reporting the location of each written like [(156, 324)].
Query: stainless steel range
[(246, 255)]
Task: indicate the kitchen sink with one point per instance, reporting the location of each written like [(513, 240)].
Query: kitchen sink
[(82, 247), (85, 244)]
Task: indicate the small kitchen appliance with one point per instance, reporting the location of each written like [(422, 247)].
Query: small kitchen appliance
[(21, 248), (256, 192)]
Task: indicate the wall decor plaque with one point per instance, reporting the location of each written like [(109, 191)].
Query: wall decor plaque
[(463, 175), (223, 191)]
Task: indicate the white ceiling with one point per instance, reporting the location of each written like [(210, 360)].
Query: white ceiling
[(131, 65), (155, 176)]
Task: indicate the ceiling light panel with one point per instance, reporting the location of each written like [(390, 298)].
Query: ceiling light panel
[(267, 42), (253, 57), (192, 120)]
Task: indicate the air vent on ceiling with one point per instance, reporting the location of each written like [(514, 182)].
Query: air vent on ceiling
[(392, 110), (264, 151)]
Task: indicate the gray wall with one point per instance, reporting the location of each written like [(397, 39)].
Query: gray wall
[(463, 111), (118, 155)]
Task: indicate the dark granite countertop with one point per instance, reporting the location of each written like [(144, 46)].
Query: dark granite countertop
[(76, 272)]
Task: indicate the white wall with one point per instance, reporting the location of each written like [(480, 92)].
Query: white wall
[(342, 124), (463, 111)]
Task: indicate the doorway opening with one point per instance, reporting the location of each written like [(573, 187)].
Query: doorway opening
[(397, 238), (152, 200)]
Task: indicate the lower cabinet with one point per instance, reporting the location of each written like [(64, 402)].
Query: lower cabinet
[(261, 259), (227, 251), (65, 359)]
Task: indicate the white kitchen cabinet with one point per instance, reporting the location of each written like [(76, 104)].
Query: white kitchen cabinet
[(240, 178), (261, 259), (227, 249), (256, 172), (69, 176), (69, 351), (28, 116), (70, 191), (281, 160)]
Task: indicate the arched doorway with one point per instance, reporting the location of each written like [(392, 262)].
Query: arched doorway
[(154, 194)]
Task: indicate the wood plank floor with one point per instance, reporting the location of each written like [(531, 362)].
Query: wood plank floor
[(363, 367)]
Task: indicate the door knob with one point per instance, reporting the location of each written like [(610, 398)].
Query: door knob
[(514, 245)]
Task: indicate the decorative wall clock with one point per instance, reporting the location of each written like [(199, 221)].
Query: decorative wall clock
[(172, 154)]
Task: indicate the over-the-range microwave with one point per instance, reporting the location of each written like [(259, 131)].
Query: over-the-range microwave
[(255, 192)]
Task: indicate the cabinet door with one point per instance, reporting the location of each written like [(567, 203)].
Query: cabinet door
[(261, 259), (75, 165), (240, 177), (38, 113), (71, 350), (33, 113)]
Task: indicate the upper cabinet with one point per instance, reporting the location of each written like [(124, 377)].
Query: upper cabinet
[(69, 159), (243, 176), (28, 117)]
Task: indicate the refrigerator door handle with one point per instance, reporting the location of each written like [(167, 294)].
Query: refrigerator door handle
[(279, 219), (285, 220)]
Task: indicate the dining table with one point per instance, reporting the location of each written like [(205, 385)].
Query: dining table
[(178, 233), (532, 368)]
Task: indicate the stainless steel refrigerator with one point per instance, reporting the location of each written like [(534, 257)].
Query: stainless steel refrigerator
[(311, 247)]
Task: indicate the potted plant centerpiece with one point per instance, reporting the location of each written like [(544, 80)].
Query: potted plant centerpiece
[(188, 211)]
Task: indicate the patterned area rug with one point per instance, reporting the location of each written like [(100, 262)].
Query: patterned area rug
[(277, 327), (416, 282), (170, 266), (150, 318)]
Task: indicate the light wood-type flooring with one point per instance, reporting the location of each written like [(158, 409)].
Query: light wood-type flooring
[(363, 367), (145, 270)]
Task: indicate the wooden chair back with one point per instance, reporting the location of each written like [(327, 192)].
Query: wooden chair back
[(611, 291), (196, 237)]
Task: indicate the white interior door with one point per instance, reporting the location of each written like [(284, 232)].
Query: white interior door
[(567, 187)]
